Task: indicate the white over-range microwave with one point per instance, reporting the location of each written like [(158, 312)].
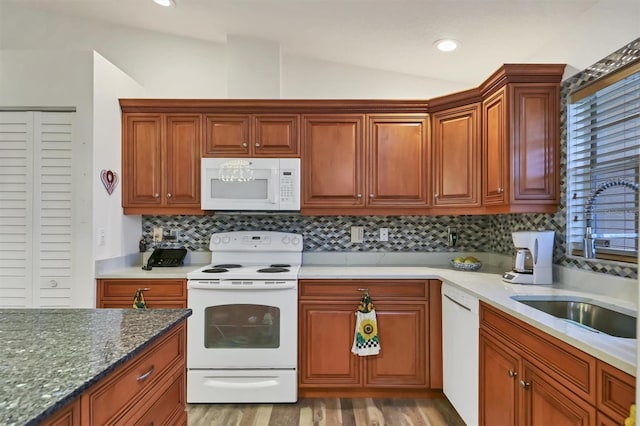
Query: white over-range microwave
[(251, 184)]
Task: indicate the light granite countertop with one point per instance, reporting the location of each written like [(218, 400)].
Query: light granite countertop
[(50, 356)]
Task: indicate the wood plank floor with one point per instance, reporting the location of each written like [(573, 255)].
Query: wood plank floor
[(329, 412)]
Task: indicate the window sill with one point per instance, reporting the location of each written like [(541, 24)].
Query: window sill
[(603, 255)]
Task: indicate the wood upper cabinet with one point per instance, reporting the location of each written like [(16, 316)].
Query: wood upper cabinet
[(495, 149), (456, 156), (397, 162), (326, 330), (346, 166), (161, 163), (333, 161), (252, 135)]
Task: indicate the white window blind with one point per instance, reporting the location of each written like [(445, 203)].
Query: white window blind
[(602, 173)]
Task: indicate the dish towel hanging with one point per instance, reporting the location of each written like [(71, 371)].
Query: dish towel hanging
[(365, 339)]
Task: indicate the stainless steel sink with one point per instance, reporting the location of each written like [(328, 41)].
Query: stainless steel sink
[(588, 313)]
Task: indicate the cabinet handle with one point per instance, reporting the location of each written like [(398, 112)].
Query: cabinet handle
[(156, 195), (512, 373), (524, 384), (244, 145), (168, 195), (146, 375)]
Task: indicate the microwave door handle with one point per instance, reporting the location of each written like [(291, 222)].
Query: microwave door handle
[(273, 188)]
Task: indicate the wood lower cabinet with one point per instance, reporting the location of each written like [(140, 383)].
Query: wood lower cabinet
[(251, 135), (158, 293), (327, 367), (161, 163), (530, 378), (148, 389)]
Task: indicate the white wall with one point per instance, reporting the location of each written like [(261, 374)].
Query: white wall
[(122, 233)]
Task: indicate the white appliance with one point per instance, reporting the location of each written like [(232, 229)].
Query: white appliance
[(242, 335), (534, 258), (460, 340), (265, 184)]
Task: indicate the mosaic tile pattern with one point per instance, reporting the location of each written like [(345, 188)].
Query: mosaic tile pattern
[(417, 233)]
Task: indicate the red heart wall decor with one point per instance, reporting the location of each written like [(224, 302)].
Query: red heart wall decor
[(109, 180)]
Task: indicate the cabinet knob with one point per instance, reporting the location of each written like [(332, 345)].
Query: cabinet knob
[(156, 195), (244, 144), (524, 384), (53, 283), (168, 195), (372, 196), (258, 144), (500, 190), (359, 195), (512, 373), (436, 195)]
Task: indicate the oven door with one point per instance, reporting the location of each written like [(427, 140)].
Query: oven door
[(242, 328)]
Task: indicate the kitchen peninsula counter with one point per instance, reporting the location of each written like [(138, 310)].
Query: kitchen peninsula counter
[(51, 356)]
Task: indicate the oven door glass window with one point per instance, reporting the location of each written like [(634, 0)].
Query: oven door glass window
[(242, 326)]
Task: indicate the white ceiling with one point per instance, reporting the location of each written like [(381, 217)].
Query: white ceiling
[(392, 35)]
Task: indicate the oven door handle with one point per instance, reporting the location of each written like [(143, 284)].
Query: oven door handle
[(221, 384)]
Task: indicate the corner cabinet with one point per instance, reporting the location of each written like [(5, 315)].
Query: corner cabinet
[(528, 377), (409, 363), (251, 135), (161, 163), (355, 163)]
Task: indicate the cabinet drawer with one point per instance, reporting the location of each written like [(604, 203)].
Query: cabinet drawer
[(616, 392), (569, 366), (113, 398), (168, 402), (158, 289), (378, 289)]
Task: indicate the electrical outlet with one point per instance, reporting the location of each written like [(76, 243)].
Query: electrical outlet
[(357, 234), (157, 233), (101, 236), (172, 235), (384, 234), (452, 236)]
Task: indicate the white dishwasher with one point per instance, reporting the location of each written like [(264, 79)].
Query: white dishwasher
[(460, 323)]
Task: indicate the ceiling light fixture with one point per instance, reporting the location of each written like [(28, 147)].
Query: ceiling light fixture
[(446, 44), (165, 3)]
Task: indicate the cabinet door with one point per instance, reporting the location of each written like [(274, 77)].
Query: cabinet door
[(227, 135), (276, 135), (404, 338), (499, 367), (397, 160), (326, 333), (142, 166), (535, 143), (456, 156), (547, 403), (495, 155), (182, 159), (332, 161)]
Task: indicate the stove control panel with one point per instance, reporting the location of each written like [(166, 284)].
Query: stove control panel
[(256, 241)]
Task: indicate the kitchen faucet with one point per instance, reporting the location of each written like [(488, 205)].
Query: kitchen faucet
[(590, 237)]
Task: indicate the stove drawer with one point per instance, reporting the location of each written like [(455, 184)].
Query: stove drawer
[(161, 293)]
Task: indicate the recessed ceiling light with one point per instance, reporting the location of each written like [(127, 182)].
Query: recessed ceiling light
[(165, 3), (446, 45)]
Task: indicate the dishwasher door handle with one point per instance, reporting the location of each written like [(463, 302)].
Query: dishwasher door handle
[(458, 303)]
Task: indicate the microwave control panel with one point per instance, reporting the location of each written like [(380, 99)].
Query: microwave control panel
[(289, 184)]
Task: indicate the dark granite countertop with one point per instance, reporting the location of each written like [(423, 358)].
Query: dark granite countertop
[(48, 357)]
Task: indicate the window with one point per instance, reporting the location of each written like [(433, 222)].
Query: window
[(602, 172)]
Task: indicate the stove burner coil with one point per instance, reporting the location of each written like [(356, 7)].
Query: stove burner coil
[(215, 270), (228, 266), (280, 265), (273, 270)]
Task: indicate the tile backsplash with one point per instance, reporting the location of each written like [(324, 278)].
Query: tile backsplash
[(416, 233)]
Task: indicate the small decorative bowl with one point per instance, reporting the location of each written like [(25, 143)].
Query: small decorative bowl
[(466, 266)]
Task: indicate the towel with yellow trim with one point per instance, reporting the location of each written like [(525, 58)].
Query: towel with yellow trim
[(365, 339)]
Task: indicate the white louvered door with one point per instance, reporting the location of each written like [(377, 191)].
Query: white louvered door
[(36, 227)]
